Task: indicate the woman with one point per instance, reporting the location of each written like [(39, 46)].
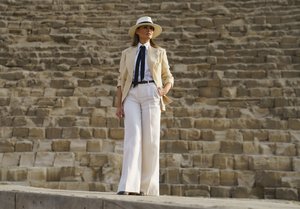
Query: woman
[(143, 83)]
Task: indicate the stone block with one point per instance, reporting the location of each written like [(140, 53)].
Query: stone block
[(228, 178), (270, 163), (193, 146), (209, 177), (231, 147), (100, 133), (11, 159), (296, 164), (208, 135), (27, 159), (268, 178), (241, 162), (37, 174), (20, 132), (17, 174), (285, 149), (61, 146), (203, 160), (38, 133), (98, 160), (98, 121), (294, 124), (251, 148), (177, 146), (94, 146), (78, 146), (287, 194), (171, 134), (44, 146), (116, 133), (53, 173), (246, 178), (220, 191), (190, 134), (53, 133), (172, 176), (6, 146), (24, 146), (223, 161), (190, 176), (211, 147), (64, 159), (44, 159), (70, 133), (86, 133)]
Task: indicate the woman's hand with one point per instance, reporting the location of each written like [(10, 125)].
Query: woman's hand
[(165, 90), (120, 112)]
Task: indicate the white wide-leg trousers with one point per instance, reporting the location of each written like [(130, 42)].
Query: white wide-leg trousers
[(140, 170)]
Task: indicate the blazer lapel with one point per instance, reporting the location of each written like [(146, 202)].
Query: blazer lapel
[(130, 60), (151, 58)]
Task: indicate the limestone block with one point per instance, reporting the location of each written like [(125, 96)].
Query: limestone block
[(44, 159), (27, 160), (193, 146), (279, 136), (64, 159), (5, 133), (228, 178), (251, 148), (94, 145), (223, 161), (69, 174), (100, 187), (116, 133), (17, 174), (172, 176), (205, 22), (197, 191), (267, 149), (220, 191), (286, 149), (44, 146), (190, 134), (100, 133), (6, 146), (113, 122), (231, 147), (190, 176), (209, 177), (86, 133), (291, 181), (203, 160), (21, 132), (37, 174), (11, 159), (108, 146), (53, 173), (88, 175), (53, 133), (66, 121), (37, 133), (177, 146), (294, 124), (171, 134), (246, 178), (269, 178), (296, 164), (208, 135), (70, 133), (173, 160), (98, 160), (110, 174), (270, 163), (24, 146), (241, 162), (211, 147), (98, 121), (78, 146), (61, 146), (287, 193)]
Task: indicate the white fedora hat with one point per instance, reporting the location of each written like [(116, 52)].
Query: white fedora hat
[(145, 21)]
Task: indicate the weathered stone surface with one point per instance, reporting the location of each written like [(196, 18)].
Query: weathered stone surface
[(235, 111)]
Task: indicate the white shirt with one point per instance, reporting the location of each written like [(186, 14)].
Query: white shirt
[(147, 75)]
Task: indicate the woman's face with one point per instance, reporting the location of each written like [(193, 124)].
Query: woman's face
[(145, 32)]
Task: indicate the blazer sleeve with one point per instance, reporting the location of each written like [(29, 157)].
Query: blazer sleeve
[(166, 74), (122, 71)]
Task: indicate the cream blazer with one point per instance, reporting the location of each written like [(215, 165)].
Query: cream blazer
[(159, 68)]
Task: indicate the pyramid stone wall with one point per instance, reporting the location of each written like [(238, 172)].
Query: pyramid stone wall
[(233, 129)]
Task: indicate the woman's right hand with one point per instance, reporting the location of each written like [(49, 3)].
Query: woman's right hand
[(120, 112)]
